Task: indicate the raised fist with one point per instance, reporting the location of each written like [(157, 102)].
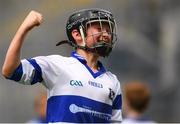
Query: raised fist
[(33, 19)]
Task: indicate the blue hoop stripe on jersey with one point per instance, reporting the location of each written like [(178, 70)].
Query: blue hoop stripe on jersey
[(69, 108), (117, 103), (83, 61), (38, 72), (17, 74)]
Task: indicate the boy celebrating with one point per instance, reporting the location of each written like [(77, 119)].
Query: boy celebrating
[(79, 87)]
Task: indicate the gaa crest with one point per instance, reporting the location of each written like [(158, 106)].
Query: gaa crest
[(111, 94)]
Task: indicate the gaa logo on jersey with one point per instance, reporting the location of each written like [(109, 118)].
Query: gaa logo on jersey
[(76, 83)]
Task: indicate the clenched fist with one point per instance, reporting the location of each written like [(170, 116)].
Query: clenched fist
[(33, 19)]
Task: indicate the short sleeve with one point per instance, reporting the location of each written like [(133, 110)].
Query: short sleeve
[(28, 72), (34, 70)]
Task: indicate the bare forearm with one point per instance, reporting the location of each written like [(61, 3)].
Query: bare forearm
[(12, 59)]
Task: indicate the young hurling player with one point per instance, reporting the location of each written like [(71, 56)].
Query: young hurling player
[(79, 88)]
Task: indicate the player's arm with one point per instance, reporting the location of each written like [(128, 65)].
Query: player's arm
[(12, 59)]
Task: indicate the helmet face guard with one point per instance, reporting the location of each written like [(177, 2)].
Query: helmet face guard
[(84, 19)]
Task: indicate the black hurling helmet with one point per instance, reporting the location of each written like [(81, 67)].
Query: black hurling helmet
[(80, 20)]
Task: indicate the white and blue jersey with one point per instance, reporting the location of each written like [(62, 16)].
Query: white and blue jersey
[(75, 93)]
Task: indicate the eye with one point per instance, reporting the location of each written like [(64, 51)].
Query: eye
[(99, 29), (108, 31)]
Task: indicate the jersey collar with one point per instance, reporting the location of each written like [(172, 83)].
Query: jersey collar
[(83, 61)]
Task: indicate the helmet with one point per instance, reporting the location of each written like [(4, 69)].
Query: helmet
[(79, 21)]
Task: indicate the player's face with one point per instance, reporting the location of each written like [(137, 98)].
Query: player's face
[(98, 32)]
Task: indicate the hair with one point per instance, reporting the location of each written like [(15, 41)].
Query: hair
[(137, 95)]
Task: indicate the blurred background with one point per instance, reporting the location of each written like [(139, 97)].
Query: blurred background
[(147, 49)]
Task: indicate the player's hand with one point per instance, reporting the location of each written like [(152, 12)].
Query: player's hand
[(33, 19)]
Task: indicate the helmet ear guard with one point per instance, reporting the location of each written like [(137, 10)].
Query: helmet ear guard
[(80, 21)]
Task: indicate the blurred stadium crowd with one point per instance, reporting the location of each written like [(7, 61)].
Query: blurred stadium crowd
[(147, 49)]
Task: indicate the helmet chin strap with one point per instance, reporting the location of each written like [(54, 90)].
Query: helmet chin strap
[(101, 47)]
